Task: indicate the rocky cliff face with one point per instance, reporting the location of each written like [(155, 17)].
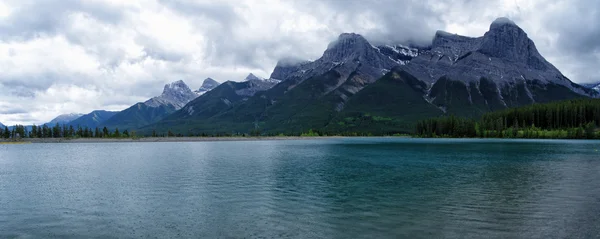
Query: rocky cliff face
[(347, 53), (253, 84), (207, 85), (503, 67), (288, 66), (176, 94)]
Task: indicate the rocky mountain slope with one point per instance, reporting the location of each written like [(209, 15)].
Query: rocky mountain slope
[(207, 85), (593, 86), (221, 99), (501, 69), (64, 119), (174, 96), (356, 86), (93, 119)]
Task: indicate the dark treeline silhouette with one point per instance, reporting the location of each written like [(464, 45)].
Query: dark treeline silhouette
[(571, 119), (450, 126), (61, 131)]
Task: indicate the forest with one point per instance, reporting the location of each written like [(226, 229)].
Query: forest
[(570, 119), (61, 131)]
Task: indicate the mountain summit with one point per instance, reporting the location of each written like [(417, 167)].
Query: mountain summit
[(207, 85), (503, 68), (64, 119), (176, 94), (252, 77)]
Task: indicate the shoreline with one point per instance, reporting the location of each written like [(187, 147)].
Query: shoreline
[(160, 139)]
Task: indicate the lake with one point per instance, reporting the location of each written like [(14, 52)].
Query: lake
[(325, 188)]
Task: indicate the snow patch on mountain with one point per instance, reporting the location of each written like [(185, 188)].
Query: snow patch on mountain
[(207, 85)]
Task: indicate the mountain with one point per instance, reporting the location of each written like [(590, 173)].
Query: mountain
[(593, 86), (288, 66), (93, 119), (362, 88), (220, 99), (252, 77), (503, 68), (64, 119), (207, 85), (174, 96), (2, 126), (307, 89)]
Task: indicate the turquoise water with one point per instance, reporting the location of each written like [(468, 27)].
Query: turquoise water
[(330, 188)]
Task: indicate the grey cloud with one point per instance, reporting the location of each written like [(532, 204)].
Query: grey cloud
[(32, 19), (218, 12), (12, 111), (397, 21), (154, 50), (578, 26)]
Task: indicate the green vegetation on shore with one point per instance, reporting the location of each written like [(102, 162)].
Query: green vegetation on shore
[(570, 119), (64, 131)]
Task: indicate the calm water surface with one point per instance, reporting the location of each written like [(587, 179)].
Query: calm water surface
[(330, 188)]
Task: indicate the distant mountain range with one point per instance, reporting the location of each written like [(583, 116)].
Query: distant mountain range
[(93, 119), (64, 119), (593, 86), (174, 96), (356, 86)]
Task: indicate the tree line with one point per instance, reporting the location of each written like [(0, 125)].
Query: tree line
[(61, 131), (570, 119)]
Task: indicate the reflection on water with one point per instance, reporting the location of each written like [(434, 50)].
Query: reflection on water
[(335, 188)]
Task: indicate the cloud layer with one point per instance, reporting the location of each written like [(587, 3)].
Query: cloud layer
[(63, 56)]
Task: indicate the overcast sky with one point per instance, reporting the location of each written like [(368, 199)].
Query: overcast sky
[(75, 56)]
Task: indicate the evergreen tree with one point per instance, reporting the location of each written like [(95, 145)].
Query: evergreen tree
[(56, 131), (34, 131), (6, 132), (105, 132), (564, 119), (79, 132)]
